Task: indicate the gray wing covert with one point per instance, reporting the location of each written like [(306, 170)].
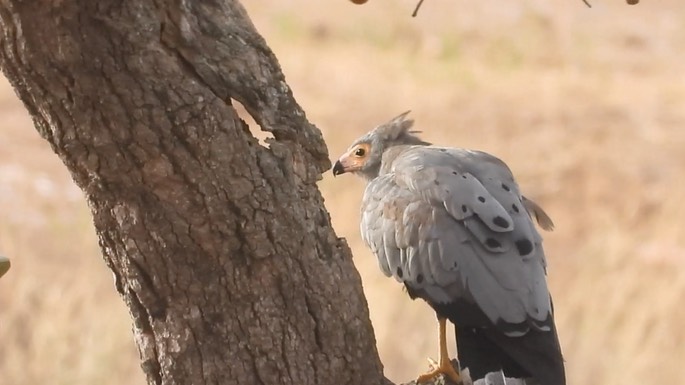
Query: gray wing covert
[(453, 231)]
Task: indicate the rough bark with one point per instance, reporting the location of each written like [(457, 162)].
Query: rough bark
[(220, 247)]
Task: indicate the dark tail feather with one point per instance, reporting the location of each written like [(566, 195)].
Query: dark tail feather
[(536, 354)]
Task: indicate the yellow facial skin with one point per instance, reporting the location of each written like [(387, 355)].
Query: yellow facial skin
[(353, 160)]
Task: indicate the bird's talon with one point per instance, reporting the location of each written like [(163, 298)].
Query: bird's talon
[(444, 368)]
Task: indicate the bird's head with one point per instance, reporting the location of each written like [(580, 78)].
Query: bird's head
[(365, 155)]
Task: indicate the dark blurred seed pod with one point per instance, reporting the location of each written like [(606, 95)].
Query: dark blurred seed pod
[(4, 265)]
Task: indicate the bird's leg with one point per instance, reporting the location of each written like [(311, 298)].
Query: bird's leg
[(444, 365)]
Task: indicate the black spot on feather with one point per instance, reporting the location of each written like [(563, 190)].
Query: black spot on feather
[(419, 278), (515, 208), (399, 272), (482, 199), (501, 222), (492, 243), (505, 187), (524, 246), (464, 208)]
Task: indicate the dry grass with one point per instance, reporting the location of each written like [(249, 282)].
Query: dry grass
[(586, 106)]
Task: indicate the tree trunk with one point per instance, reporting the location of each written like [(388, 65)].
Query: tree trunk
[(221, 247)]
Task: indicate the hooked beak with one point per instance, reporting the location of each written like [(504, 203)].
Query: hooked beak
[(347, 163), (338, 168)]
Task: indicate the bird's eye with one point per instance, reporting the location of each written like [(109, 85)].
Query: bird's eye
[(360, 152)]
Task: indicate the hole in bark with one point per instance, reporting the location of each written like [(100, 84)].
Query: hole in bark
[(260, 137)]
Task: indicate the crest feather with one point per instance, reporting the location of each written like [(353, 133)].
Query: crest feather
[(398, 129)]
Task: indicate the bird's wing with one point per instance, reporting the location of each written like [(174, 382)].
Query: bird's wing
[(453, 225)]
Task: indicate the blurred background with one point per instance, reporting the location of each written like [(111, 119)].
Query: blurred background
[(587, 106)]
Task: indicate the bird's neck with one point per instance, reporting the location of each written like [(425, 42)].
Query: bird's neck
[(389, 157)]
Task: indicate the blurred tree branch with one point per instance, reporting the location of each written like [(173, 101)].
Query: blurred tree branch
[(4, 265), (420, 2)]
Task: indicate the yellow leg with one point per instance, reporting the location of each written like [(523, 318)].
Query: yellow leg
[(444, 366)]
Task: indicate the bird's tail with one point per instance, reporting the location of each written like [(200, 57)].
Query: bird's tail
[(536, 354)]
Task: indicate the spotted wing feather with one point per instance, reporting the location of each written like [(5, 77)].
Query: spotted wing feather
[(452, 226)]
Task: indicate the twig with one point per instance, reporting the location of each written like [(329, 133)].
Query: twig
[(588, 4), (416, 10)]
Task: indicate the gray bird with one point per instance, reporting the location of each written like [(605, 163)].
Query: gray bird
[(453, 227)]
